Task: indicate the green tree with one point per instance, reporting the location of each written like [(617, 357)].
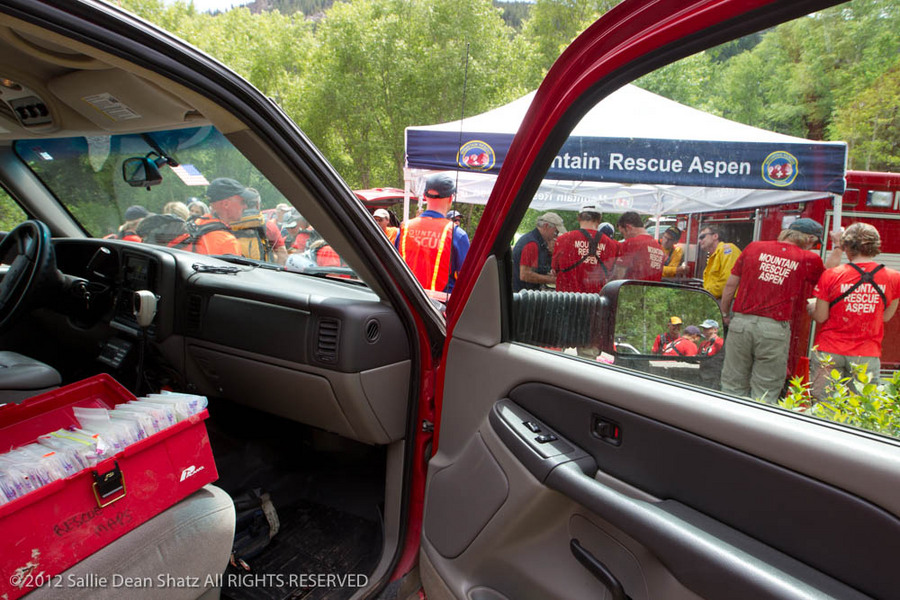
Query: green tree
[(686, 81), (382, 65), (514, 13), (552, 26), (11, 214), (870, 124), (269, 49), (793, 79)]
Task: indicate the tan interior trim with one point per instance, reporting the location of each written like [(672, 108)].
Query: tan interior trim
[(50, 52)]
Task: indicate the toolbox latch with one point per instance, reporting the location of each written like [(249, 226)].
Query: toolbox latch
[(109, 487)]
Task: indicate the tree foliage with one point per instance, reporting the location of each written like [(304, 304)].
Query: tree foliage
[(382, 65), (552, 26), (11, 214), (354, 74)]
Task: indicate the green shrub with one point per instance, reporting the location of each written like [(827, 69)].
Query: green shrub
[(855, 401)]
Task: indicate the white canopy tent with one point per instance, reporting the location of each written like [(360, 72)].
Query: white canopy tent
[(635, 150)]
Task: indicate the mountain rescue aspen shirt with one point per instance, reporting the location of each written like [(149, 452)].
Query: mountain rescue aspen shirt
[(434, 248)]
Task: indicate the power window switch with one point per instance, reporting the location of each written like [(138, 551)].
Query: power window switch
[(545, 438), (532, 426)]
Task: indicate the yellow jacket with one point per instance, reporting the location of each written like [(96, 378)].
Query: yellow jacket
[(672, 261), (718, 268)]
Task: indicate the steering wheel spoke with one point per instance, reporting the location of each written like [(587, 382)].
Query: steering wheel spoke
[(28, 251)]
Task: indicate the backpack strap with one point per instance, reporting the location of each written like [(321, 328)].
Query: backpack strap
[(593, 242), (195, 232), (673, 346), (864, 277)]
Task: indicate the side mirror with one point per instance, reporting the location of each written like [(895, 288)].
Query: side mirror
[(141, 171), (639, 321), (641, 310)]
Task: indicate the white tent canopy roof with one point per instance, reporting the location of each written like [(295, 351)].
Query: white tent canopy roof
[(629, 118)]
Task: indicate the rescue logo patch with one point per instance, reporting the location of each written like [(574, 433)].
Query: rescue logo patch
[(623, 201), (476, 155), (780, 168)]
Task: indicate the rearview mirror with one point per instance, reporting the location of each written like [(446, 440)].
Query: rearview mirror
[(141, 171)]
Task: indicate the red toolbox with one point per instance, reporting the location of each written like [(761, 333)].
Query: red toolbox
[(52, 528)]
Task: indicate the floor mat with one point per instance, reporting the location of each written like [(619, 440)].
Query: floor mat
[(319, 553)]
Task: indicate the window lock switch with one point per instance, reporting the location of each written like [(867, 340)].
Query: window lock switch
[(532, 426)]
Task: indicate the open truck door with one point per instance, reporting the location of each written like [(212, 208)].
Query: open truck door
[(557, 476)]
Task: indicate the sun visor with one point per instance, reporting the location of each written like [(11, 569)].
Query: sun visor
[(120, 102)]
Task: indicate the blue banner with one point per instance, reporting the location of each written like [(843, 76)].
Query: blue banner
[(813, 166)]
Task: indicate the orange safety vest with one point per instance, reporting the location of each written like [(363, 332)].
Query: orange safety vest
[(426, 244), (392, 233), (208, 235)]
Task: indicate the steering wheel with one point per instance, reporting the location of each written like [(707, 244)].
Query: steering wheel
[(32, 269)]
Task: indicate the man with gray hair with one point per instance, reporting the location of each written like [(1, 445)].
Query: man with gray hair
[(533, 253)]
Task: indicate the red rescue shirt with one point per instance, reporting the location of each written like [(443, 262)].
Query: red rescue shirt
[(774, 279), (855, 325)]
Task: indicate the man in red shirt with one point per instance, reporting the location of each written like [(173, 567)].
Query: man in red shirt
[(584, 257), (710, 347), (853, 302), (686, 345), (670, 335), (640, 256), (773, 276), (532, 254), (711, 343)]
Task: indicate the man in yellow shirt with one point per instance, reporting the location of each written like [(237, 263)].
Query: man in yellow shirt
[(674, 251), (722, 256)]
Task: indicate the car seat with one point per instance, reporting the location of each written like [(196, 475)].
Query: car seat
[(22, 377), (183, 551)]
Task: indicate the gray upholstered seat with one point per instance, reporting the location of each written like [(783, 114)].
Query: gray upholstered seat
[(190, 543), (22, 377)]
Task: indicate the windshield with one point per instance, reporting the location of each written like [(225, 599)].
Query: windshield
[(207, 198)]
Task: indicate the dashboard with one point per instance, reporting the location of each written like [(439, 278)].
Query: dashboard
[(323, 352)]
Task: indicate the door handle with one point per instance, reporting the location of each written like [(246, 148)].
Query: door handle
[(599, 570)]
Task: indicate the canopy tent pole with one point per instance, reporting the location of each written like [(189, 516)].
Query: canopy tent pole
[(406, 184), (837, 203), (658, 215)]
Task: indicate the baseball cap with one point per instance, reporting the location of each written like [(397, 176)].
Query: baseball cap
[(453, 214), (674, 321), (136, 211), (807, 226), (674, 232), (439, 185), (223, 187), (607, 229), (590, 208), (709, 324), (382, 213), (692, 330), (554, 219)]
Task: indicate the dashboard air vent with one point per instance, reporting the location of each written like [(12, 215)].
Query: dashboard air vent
[(373, 331), (194, 318), (327, 340)]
